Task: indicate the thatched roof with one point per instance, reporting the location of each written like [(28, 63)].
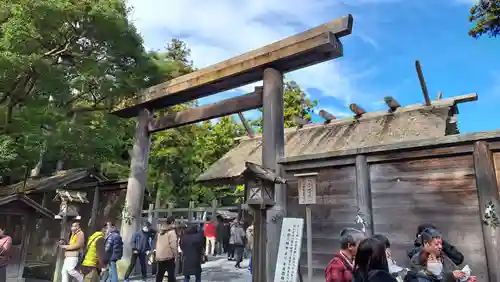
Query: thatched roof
[(373, 128), (58, 180), (21, 201)]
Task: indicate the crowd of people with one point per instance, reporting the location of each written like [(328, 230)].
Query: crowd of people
[(360, 258), (169, 244), (369, 259)]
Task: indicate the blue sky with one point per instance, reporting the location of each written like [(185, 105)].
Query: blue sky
[(379, 57)]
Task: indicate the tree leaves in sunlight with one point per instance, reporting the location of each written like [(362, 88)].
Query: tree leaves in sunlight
[(485, 15)]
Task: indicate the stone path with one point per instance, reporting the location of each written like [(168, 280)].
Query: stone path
[(218, 269)]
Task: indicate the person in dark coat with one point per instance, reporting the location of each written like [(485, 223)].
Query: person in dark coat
[(226, 236), (371, 262), (141, 246), (192, 243), (219, 238), (450, 251)]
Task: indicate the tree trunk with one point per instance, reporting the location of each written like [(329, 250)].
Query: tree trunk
[(35, 172), (136, 187)]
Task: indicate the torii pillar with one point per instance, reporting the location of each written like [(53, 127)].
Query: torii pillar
[(272, 150)]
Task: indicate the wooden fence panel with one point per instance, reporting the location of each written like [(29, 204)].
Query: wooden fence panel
[(437, 190), (335, 209)]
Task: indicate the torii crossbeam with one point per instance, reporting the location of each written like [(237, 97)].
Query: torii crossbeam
[(268, 63)]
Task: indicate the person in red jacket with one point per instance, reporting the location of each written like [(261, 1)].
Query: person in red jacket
[(210, 232)]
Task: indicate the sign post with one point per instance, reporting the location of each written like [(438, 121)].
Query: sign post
[(307, 196), (287, 263)]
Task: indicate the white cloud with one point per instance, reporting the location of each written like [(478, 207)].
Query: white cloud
[(218, 30)]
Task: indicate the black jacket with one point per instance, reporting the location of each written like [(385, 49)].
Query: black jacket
[(374, 276), (450, 251), (220, 231), (192, 250)]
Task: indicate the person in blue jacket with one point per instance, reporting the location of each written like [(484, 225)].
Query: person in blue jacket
[(141, 247), (113, 247)]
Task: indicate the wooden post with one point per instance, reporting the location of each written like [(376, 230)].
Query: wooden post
[(60, 253), (364, 199), (154, 222), (190, 211), (151, 208), (248, 128), (137, 182), (259, 270), (488, 198), (95, 211), (423, 85), (273, 148), (309, 244), (170, 208), (215, 203), (29, 225), (307, 186)]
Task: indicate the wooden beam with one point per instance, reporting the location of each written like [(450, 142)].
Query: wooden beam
[(439, 95), (326, 116), (392, 103), (247, 126), (357, 110), (423, 85), (300, 121), (450, 140), (264, 173), (364, 198), (304, 49), (222, 108), (488, 198)]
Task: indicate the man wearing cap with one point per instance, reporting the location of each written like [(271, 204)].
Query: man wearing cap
[(141, 246)]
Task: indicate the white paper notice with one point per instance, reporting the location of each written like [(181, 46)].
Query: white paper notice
[(307, 190), (289, 250)]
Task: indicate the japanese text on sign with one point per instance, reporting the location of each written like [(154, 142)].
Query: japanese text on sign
[(289, 250), (307, 190)]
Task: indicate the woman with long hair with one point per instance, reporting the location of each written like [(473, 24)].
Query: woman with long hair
[(192, 244), (371, 262)]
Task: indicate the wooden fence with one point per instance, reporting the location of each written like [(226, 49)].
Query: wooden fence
[(451, 181), (190, 214)]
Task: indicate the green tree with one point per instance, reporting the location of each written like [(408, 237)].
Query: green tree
[(179, 155), (63, 64), (296, 104), (485, 15)]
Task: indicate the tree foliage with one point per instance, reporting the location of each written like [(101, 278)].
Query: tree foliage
[(296, 104), (486, 18), (64, 64)]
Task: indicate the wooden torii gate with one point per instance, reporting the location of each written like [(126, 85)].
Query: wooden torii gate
[(268, 63)]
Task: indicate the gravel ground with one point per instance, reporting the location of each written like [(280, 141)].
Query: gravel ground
[(218, 269)]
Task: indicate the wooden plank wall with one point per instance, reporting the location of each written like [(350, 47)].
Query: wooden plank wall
[(496, 159), (335, 209), (419, 185), (438, 190)]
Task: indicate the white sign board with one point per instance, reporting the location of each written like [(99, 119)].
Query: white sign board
[(307, 190), (287, 264)]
